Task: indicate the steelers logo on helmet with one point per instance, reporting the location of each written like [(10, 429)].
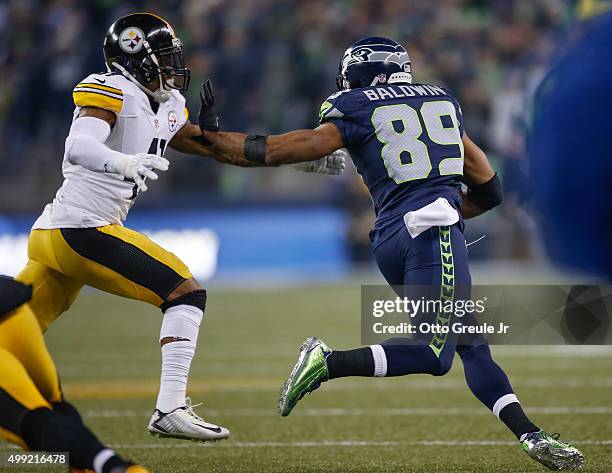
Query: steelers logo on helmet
[(131, 39)]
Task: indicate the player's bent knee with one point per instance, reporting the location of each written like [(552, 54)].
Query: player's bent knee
[(195, 298), (187, 286), (66, 409), (441, 370), (443, 366)]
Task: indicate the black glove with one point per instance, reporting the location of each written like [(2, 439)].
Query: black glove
[(207, 116)]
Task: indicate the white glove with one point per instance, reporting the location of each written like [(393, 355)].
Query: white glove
[(139, 167), (333, 163)]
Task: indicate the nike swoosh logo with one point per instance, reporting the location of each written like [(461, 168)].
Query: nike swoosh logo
[(213, 429), (101, 81)]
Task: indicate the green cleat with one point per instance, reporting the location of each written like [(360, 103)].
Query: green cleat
[(551, 452), (307, 375)]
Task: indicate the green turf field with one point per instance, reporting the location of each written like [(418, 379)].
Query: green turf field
[(107, 352)]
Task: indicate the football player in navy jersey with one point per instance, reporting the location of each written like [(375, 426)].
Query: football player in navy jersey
[(408, 144)]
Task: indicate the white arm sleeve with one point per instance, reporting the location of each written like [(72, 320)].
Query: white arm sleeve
[(85, 145)]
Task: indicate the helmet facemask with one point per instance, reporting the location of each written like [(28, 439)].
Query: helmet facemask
[(171, 66)]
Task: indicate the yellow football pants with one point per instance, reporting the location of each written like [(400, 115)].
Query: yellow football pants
[(112, 258), (28, 377)]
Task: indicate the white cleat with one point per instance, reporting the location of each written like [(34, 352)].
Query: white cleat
[(183, 423)]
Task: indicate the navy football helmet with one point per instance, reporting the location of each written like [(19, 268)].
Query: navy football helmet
[(144, 47), (372, 61)]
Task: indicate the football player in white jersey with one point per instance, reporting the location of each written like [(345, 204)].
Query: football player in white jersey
[(123, 122)]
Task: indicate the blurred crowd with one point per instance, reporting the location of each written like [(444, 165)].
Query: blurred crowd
[(273, 63)]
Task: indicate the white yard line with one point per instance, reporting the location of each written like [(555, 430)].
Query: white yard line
[(339, 411), (338, 443), (115, 389), (164, 444)]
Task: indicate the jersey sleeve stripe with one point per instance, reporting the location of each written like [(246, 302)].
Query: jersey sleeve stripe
[(325, 107), (96, 91), (91, 85), (331, 112), (98, 100)]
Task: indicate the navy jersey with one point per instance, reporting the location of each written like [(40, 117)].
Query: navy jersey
[(405, 141)]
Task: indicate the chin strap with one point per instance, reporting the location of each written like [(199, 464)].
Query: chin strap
[(161, 95)]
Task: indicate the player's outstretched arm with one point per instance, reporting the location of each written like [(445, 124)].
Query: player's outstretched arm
[(294, 147), (190, 140), (315, 150), (484, 187), (239, 149)]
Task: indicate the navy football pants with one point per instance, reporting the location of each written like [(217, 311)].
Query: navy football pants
[(437, 261)]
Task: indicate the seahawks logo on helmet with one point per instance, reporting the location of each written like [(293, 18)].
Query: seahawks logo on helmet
[(382, 53), (359, 55), (131, 40)]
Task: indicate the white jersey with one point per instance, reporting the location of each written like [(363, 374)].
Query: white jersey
[(93, 199)]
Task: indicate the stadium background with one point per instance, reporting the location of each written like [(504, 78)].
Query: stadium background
[(273, 63), (284, 253)]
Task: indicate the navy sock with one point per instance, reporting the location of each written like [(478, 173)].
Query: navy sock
[(358, 362), (405, 357), (516, 420), (489, 384), (402, 356)]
